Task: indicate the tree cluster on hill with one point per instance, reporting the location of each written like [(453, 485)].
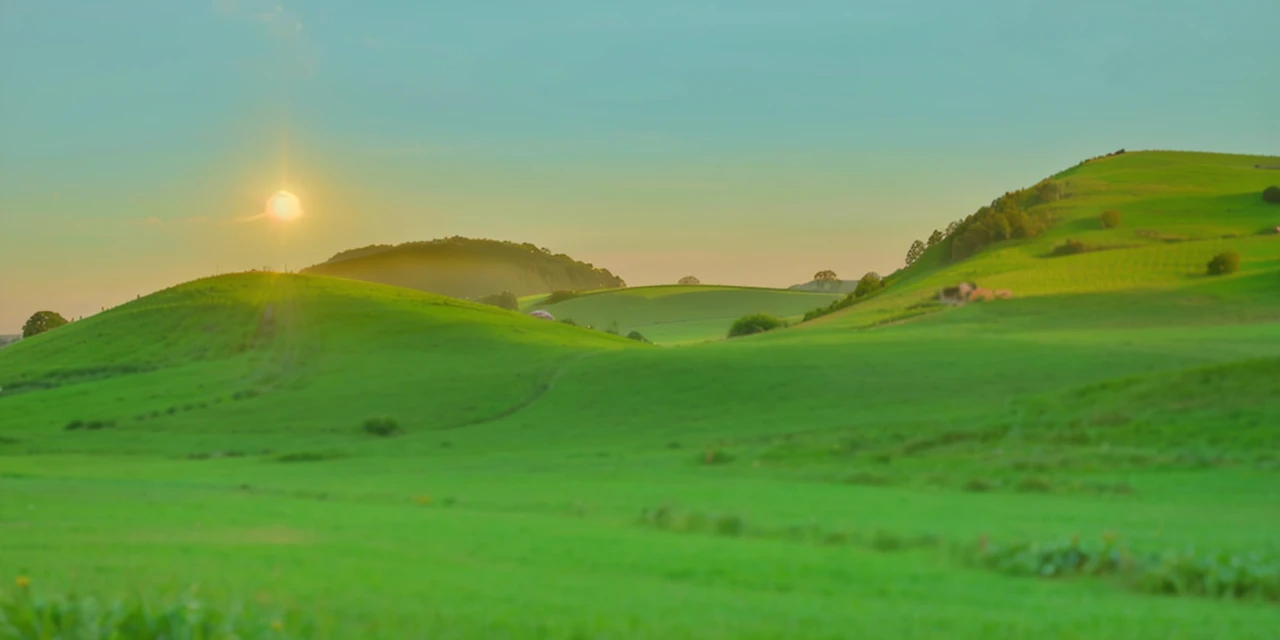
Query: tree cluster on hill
[(867, 285), (42, 321), (754, 323), (1006, 218), (468, 268)]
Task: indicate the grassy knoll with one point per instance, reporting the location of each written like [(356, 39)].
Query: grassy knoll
[(678, 314), (858, 476)]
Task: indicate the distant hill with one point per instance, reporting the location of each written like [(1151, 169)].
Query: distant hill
[(467, 268), (814, 286), (7, 340)]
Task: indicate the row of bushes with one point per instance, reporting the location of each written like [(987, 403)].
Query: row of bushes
[(1187, 572), (25, 615)]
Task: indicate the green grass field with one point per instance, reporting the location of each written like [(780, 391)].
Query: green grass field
[(676, 314), (838, 479)]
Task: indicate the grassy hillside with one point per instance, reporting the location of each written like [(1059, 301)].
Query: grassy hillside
[(1178, 210), (859, 476), (680, 314), (467, 268)]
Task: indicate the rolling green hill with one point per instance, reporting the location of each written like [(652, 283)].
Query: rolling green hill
[(680, 314), (467, 268), (866, 474)]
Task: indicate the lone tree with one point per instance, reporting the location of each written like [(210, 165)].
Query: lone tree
[(827, 278), (914, 253), (41, 322), (1224, 263), (1110, 219), (869, 284), (934, 238), (689, 280), (1271, 194)]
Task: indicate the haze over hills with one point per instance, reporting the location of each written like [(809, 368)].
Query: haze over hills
[(467, 268)]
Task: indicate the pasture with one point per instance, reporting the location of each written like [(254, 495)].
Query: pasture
[(861, 475)]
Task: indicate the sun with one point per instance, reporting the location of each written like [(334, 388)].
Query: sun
[(283, 206)]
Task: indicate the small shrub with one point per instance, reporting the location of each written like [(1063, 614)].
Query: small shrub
[(754, 323), (978, 485), (1224, 263), (74, 425), (505, 300), (730, 525), (637, 336), (1271, 194), (570, 322), (381, 426), (1070, 247), (715, 456), (1034, 484), (1110, 219)]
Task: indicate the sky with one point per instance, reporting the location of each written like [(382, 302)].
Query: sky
[(741, 141)]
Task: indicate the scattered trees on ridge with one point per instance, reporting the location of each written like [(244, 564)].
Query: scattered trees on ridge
[(41, 322), (917, 249)]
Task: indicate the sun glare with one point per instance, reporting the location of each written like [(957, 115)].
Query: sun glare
[(284, 207)]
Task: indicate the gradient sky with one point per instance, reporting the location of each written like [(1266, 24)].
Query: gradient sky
[(742, 141)]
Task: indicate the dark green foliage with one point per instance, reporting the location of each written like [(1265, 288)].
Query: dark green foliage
[(868, 284), (914, 252), (1224, 263), (754, 323), (637, 336), (1110, 219), (1034, 484), (504, 300), (730, 525), (1048, 191), (570, 322), (41, 322), (91, 425), (689, 280), (1181, 573), (1005, 219), (835, 306), (560, 296), (24, 615), (1070, 247), (523, 268), (1271, 194), (935, 238), (381, 426)]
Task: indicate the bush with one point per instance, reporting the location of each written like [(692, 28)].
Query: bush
[(1224, 263), (1271, 194), (1070, 247), (570, 322), (504, 300), (754, 323), (689, 280), (636, 335), (1110, 219), (381, 426)]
